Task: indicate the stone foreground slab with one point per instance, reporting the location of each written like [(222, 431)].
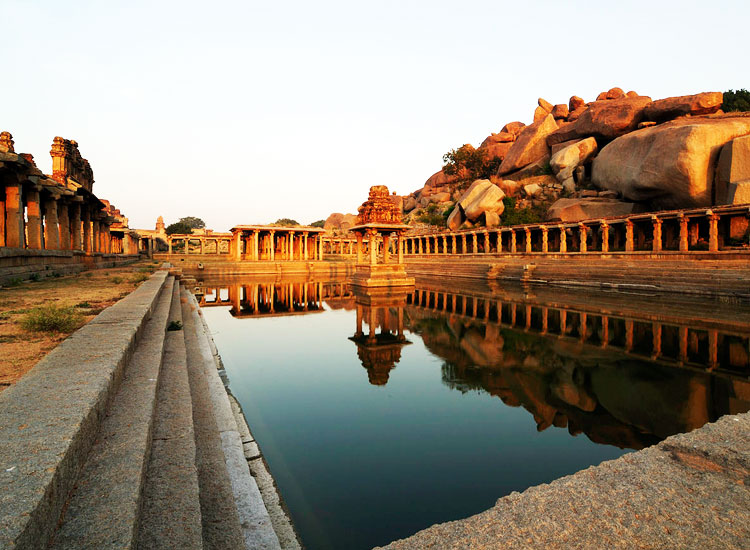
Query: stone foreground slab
[(690, 491), (49, 419)]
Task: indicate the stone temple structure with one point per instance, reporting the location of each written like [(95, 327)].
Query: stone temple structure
[(380, 220)]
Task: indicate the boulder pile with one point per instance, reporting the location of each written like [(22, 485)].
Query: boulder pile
[(620, 153)]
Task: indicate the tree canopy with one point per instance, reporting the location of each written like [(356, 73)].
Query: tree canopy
[(469, 163), (319, 223), (287, 222), (179, 228), (192, 222), (736, 101)]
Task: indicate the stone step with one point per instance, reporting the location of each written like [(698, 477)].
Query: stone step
[(221, 445), (109, 486), (170, 513), (220, 520), (50, 419)]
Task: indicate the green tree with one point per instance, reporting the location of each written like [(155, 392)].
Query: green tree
[(192, 222), (179, 228), (469, 163), (287, 222), (736, 101), (319, 223)]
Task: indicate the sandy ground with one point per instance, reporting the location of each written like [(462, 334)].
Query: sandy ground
[(89, 291)]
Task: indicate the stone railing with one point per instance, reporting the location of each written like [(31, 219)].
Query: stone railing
[(715, 229)]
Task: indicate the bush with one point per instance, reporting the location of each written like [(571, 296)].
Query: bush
[(115, 279), (469, 163), (286, 222), (518, 216), (51, 318), (174, 325), (34, 277), (319, 223), (736, 101), (84, 305)]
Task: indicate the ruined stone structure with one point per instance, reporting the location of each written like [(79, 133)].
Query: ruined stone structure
[(56, 220), (380, 218), (723, 228)]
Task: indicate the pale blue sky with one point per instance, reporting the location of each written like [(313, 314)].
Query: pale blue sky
[(245, 112)]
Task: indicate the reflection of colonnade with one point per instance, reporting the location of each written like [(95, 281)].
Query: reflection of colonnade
[(253, 299), (713, 230), (723, 351)]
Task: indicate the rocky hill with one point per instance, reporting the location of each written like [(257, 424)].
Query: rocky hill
[(619, 154)]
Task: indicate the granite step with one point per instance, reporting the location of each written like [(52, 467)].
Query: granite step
[(170, 513), (103, 510), (234, 513), (55, 420), (220, 522)]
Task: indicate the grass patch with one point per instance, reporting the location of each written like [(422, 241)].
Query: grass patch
[(115, 279), (51, 318), (174, 325), (83, 305), (88, 274), (138, 278), (13, 282), (34, 277)]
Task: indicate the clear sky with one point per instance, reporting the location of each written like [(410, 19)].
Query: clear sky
[(245, 111)]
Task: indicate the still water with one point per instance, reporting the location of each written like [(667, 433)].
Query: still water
[(382, 415)]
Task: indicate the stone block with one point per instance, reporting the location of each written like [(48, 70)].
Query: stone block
[(733, 166), (739, 192)]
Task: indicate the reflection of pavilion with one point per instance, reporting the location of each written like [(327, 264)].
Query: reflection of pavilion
[(380, 351), (264, 299)]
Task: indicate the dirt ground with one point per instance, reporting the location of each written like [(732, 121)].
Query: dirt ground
[(89, 292)]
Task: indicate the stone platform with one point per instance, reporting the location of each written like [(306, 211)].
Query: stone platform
[(689, 491), (381, 275)]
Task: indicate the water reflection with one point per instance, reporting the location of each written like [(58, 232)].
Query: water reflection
[(626, 370), (380, 349), (627, 377)]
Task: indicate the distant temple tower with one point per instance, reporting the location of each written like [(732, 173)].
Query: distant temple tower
[(160, 228)]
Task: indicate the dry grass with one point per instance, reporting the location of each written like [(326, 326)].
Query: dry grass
[(50, 301)]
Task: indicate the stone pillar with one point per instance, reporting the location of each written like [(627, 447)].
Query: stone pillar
[(75, 228), (320, 248), (486, 242), (657, 242), (445, 244), (108, 238), (713, 231), (87, 230), (628, 236), (629, 326), (453, 243), (51, 229), (373, 247), (463, 243), (360, 239), (563, 322), (563, 239), (203, 245), (33, 219), (400, 249), (169, 244), (656, 340), (14, 230), (513, 245), (528, 239), (545, 240), (582, 232), (272, 240), (605, 235), (683, 233), (683, 337), (474, 243), (305, 255), (386, 248), (236, 246)]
